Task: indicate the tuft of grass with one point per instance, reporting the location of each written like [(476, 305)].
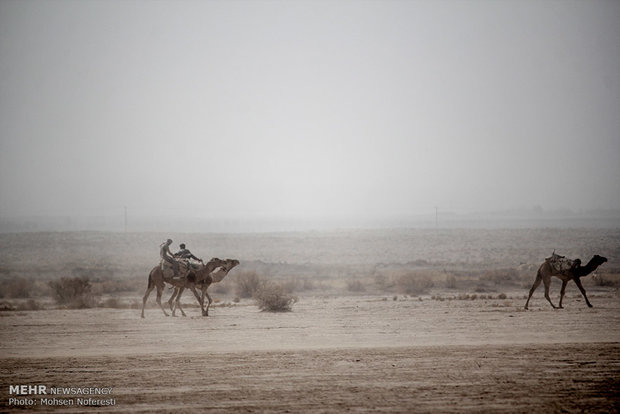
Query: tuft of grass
[(272, 297)]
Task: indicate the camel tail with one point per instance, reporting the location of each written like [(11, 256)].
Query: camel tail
[(539, 273), (150, 281)]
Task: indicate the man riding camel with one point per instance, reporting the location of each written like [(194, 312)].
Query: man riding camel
[(165, 254), (184, 253)]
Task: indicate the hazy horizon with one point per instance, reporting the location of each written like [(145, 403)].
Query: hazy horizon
[(307, 109)]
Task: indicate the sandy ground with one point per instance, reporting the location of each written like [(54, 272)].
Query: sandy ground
[(331, 354)]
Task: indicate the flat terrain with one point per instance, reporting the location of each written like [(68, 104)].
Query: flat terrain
[(386, 321), (331, 354)]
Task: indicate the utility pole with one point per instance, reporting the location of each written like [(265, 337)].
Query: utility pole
[(436, 217), (125, 219)]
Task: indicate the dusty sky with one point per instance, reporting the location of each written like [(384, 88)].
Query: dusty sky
[(295, 108)]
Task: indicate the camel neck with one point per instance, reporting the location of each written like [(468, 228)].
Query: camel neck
[(587, 269)]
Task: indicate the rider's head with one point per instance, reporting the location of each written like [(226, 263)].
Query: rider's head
[(182, 245), (169, 241)]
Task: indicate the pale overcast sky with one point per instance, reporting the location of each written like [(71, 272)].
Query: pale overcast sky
[(308, 108)]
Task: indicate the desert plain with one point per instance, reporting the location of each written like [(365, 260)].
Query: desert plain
[(410, 320)]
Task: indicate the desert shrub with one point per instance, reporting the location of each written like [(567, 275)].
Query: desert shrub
[(73, 292), (272, 297), (247, 283), (501, 296), (412, 284), (355, 286)]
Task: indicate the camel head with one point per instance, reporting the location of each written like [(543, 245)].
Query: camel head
[(592, 265), (596, 261), (230, 264), (223, 270), (214, 263)]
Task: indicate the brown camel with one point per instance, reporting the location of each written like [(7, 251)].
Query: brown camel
[(204, 284), (158, 277), (575, 272)]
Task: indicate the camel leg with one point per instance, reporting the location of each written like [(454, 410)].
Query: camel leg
[(547, 283), (160, 291), (583, 291), (534, 287), (171, 300), (177, 302), (198, 298), (209, 300), (564, 282), (149, 289)]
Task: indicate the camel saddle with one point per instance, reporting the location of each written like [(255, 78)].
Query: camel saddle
[(185, 266), (560, 263)]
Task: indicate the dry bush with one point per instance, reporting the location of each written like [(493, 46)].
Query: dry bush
[(413, 284), (247, 283), (272, 297), (73, 292)]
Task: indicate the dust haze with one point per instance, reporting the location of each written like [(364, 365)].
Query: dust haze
[(390, 176), (307, 110)]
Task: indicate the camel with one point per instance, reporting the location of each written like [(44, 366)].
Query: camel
[(158, 277), (204, 284), (574, 272)]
